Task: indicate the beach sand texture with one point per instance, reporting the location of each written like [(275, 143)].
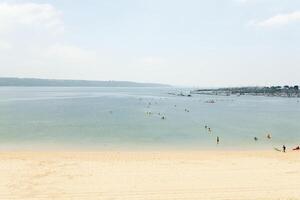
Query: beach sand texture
[(157, 175)]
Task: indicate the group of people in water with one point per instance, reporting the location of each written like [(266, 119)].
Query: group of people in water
[(162, 116), (268, 136)]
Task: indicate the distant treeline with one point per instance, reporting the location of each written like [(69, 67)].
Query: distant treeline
[(289, 91), (272, 89), (33, 82)]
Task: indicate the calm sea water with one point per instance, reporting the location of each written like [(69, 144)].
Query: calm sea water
[(116, 118)]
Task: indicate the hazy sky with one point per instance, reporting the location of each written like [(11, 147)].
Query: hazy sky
[(180, 42)]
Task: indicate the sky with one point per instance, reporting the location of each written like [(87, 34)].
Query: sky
[(198, 43)]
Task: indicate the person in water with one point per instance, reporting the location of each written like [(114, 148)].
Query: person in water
[(269, 136), (255, 138), (218, 140), (284, 148)]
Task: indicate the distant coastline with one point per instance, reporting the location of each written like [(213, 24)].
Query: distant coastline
[(36, 82), (273, 91)]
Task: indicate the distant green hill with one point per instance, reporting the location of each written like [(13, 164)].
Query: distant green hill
[(34, 82)]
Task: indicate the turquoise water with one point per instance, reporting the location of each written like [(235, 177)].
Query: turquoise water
[(115, 118)]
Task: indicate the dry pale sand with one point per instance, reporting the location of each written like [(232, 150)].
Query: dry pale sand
[(150, 175)]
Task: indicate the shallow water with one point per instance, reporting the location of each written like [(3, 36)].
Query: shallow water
[(115, 118)]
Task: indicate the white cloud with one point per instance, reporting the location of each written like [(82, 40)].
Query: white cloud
[(28, 32), (279, 20), (19, 15)]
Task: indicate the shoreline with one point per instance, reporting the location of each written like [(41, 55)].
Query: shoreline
[(49, 147)]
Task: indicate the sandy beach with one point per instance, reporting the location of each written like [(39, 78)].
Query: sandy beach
[(150, 175)]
